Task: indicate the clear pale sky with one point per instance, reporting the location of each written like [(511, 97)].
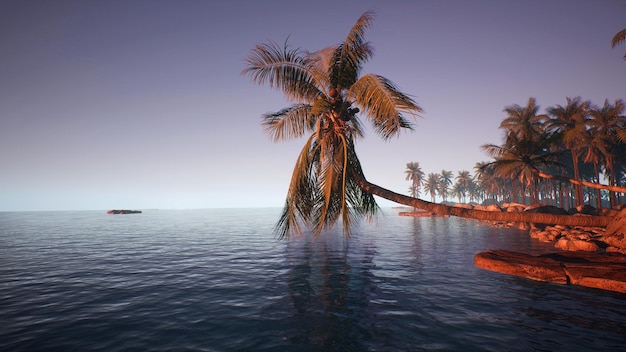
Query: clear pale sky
[(141, 104)]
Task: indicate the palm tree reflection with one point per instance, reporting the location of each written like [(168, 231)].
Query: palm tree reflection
[(330, 296)]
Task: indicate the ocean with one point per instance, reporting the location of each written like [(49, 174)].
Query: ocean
[(219, 280)]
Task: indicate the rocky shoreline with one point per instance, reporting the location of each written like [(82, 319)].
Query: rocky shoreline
[(611, 239), (585, 256)]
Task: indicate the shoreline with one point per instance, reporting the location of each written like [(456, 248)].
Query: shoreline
[(588, 257)]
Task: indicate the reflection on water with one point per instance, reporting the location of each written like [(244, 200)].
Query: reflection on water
[(324, 291)]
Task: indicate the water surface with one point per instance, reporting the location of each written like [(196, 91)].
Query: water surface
[(218, 280)]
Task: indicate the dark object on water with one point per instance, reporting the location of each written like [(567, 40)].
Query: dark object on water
[(124, 211)]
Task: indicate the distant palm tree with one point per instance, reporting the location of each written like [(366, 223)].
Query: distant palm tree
[(328, 91), (618, 39), (445, 181), (486, 178), (474, 192), (464, 180), (432, 185), (458, 192), (416, 175)]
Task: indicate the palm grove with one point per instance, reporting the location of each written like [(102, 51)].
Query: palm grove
[(559, 158), (330, 96)]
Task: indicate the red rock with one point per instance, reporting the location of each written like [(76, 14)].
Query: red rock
[(616, 231), (573, 244), (520, 264), (602, 271)]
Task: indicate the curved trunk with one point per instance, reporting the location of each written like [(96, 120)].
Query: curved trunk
[(580, 200), (582, 183), (539, 218)]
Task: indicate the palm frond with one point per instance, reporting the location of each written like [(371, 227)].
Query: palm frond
[(619, 38), (349, 56), (283, 68), (383, 104), (302, 192), (494, 151), (621, 134), (289, 123), (320, 62)]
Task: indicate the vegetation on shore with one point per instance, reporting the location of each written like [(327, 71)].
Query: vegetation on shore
[(560, 158), (329, 95)]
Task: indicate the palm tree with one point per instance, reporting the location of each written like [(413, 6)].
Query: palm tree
[(618, 39), (463, 180), (486, 179), (328, 91), (474, 192), (445, 181), (416, 175), (524, 121), (570, 123), (432, 185), (528, 152), (521, 159), (605, 123)]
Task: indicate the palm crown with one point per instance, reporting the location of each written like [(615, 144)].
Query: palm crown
[(328, 91)]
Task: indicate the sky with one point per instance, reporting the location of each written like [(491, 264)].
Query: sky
[(142, 104)]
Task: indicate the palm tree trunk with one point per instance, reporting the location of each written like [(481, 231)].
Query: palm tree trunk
[(539, 218), (579, 189), (582, 183), (612, 195), (598, 191)]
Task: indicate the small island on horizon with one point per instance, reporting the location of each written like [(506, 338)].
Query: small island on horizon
[(124, 211)]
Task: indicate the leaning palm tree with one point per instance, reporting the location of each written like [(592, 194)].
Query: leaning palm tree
[(328, 91), (619, 38)]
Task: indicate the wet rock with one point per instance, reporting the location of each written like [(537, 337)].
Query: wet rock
[(587, 209), (520, 264), (573, 244), (603, 271), (546, 235), (615, 234), (515, 208), (546, 209)]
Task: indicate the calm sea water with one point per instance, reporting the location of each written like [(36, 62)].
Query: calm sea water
[(218, 280)]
